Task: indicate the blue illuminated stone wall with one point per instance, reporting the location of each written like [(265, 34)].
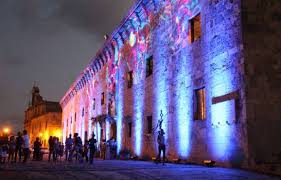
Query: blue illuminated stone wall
[(214, 61)]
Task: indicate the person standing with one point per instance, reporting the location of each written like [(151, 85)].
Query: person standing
[(92, 147), (103, 149), (26, 146), (78, 147), (161, 145), (56, 148), (51, 147), (68, 147), (86, 150), (37, 146), (4, 149), (19, 142), (12, 148)]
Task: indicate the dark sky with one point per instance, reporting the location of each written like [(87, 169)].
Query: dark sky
[(48, 42)]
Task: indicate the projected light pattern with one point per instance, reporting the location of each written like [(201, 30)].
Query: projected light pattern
[(138, 116), (161, 29), (119, 110), (222, 115), (184, 109)]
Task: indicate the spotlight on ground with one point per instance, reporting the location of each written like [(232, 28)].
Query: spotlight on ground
[(134, 157), (177, 160), (209, 163)]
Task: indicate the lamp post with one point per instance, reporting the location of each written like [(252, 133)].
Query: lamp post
[(6, 131)]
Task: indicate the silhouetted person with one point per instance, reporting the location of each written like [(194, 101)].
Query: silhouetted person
[(19, 143), (86, 150), (92, 147), (51, 147), (56, 148), (161, 145), (78, 147), (26, 146), (37, 147), (68, 147), (12, 148), (3, 149), (61, 150), (103, 149)]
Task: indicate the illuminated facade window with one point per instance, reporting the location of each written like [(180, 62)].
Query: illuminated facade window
[(149, 66), (129, 129), (194, 28), (102, 98), (199, 104), (149, 124), (130, 79), (94, 103)]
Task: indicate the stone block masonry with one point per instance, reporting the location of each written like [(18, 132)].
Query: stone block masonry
[(198, 49)]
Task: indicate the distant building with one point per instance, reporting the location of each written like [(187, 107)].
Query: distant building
[(212, 67), (43, 118)]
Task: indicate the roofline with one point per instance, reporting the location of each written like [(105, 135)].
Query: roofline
[(123, 21)]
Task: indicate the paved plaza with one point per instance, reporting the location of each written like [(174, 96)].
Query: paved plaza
[(115, 169)]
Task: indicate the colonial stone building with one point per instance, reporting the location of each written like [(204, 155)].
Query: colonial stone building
[(212, 67), (43, 118)]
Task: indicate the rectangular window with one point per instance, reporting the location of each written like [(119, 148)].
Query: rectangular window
[(200, 104), (149, 66), (94, 103), (149, 124), (194, 28), (130, 129), (83, 112), (102, 98), (130, 79)]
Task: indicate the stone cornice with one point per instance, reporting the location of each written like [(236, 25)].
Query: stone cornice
[(135, 19)]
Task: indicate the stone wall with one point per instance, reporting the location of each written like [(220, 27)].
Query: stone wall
[(44, 126), (214, 62), (262, 43)]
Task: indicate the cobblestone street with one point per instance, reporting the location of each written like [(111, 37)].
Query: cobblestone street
[(120, 170)]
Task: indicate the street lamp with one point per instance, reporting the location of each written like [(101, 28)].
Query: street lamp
[(6, 130)]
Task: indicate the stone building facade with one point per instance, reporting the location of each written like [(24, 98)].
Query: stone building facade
[(210, 67), (43, 119)]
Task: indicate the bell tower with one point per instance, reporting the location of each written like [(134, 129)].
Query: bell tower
[(36, 98)]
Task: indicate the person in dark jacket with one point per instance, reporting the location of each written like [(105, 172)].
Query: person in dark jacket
[(78, 148), (68, 148), (51, 147), (86, 150), (92, 147), (161, 145), (37, 147), (19, 143), (12, 148)]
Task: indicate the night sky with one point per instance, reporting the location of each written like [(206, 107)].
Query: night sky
[(48, 42)]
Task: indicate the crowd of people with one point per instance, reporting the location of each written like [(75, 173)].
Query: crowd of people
[(12, 148), (17, 149)]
